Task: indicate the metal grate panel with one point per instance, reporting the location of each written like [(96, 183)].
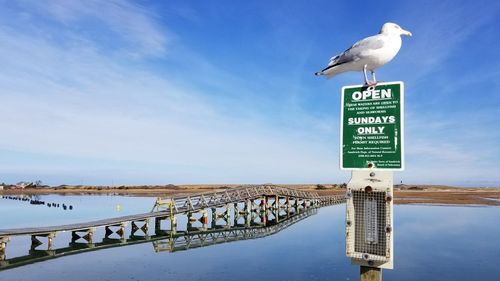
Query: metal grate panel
[(369, 222)]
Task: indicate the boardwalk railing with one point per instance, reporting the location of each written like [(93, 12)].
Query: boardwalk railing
[(186, 203)]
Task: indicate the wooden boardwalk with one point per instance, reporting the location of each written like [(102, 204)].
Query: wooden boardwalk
[(189, 203), (253, 202)]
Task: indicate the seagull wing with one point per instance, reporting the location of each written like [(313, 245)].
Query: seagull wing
[(357, 51)]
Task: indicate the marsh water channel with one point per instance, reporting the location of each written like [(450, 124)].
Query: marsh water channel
[(431, 243)]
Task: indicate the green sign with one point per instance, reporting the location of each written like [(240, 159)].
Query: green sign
[(372, 127)]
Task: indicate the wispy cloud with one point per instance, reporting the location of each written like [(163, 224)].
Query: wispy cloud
[(440, 30), (81, 104), (123, 26)]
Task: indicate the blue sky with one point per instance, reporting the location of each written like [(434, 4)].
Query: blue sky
[(154, 92)]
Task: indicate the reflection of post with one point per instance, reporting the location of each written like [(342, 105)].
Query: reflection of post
[(214, 217), (228, 211), (248, 219), (370, 273), (204, 219), (173, 225)]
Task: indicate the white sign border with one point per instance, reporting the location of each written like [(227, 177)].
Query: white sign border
[(402, 107)]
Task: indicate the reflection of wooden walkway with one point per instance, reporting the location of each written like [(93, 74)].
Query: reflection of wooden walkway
[(167, 240), (242, 200)]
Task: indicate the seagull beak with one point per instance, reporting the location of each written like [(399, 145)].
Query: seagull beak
[(407, 33)]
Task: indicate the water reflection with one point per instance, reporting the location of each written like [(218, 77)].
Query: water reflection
[(431, 243), (165, 240)]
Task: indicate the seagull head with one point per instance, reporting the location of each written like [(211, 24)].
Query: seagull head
[(390, 28)]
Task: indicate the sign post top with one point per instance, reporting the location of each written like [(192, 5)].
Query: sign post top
[(372, 127)]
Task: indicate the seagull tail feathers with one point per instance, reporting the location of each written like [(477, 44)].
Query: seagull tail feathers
[(328, 75), (329, 72)]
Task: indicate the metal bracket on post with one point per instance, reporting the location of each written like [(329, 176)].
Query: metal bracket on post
[(369, 220)]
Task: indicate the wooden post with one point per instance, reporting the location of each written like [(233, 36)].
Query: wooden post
[(370, 273), (121, 231), (3, 245), (89, 236), (50, 238)]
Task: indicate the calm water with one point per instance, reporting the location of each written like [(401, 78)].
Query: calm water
[(431, 243)]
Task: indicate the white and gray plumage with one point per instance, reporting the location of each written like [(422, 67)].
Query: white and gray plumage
[(368, 54)]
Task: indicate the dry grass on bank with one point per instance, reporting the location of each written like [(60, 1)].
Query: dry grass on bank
[(404, 194)]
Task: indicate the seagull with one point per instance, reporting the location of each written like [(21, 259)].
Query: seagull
[(368, 54)]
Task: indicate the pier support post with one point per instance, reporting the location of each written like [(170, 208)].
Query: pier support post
[(50, 238), (89, 236), (121, 231)]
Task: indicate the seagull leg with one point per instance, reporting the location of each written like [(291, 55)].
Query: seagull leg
[(374, 78), (367, 82)]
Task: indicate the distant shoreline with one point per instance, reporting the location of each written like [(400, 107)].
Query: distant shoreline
[(404, 194)]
